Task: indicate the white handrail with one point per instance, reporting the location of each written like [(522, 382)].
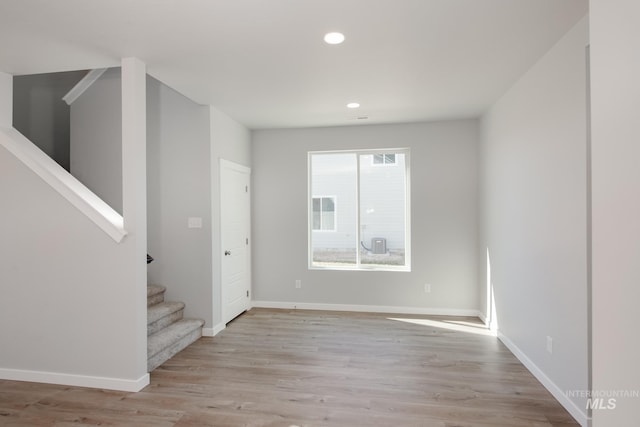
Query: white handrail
[(96, 209), (83, 85)]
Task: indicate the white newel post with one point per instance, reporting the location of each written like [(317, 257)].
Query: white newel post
[(134, 191), (6, 100)]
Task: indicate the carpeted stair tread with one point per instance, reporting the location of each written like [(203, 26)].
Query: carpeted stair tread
[(158, 311), (162, 315), (155, 294), (166, 343), (155, 289), (165, 337)]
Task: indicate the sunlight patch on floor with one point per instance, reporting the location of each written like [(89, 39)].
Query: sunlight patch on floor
[(452, 325)]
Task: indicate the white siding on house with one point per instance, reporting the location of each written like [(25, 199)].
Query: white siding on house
[(382, 201), (334, 175), (381, 193)]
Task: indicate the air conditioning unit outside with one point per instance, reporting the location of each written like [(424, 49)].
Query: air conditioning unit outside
[(378, 245)]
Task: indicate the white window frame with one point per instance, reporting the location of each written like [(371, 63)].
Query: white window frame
[(407, 220), (335, 214)]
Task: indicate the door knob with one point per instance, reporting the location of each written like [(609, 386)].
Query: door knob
[(227, 253)]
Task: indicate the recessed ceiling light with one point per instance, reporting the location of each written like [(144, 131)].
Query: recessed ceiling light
[(334, 38), (353, 105)]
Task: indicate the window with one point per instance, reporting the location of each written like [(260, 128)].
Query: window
[(371, 230), (324, 213), (384, 159)]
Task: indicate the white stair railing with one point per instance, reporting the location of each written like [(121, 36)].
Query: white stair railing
[(98, 211), (83, 85)]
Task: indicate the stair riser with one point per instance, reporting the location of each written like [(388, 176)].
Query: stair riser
[(163, 322), (162, 356)]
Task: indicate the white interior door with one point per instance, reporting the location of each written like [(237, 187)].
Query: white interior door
[(235, 223)]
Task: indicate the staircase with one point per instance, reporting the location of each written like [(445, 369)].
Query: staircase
[(167, 331)]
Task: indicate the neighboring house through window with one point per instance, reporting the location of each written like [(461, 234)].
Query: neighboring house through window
[(384, 159), (371, 230)]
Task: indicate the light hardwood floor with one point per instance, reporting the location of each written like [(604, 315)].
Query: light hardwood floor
[(313, 368)]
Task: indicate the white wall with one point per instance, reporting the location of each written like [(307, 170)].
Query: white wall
[(229, 141), (534, 198), (443, 227), (185, 143), (96, 129), (66, 303), (179, 187), (72, 310), (6, 99), (41, 115), (615, 100)]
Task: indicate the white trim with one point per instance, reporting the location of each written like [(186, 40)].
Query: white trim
[(482, 317), (367, 308), (212, 332), (119, 384), (83, 85), (573, 409), (103, 215), (229, 165), (234, 166), (363, 267)]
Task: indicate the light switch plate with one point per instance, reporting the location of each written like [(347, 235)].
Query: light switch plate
[(194, 222)]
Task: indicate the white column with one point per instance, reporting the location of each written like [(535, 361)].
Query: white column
[(134, 191), (615, 108), (6, 100)]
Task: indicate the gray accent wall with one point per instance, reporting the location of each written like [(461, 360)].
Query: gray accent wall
[(96, 134), (40, 114), (533, 161), (443, 219), (179, 187)]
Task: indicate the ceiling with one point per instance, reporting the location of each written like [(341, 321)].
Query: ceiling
[(264, 62)]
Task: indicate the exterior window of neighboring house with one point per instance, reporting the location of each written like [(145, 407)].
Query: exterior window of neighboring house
[(324, 214), (384, 159), (371, 230)]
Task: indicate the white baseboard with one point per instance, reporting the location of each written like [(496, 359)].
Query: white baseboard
[(575, 411), (483, 318), (367, 308), (75, 380), (212, 332)]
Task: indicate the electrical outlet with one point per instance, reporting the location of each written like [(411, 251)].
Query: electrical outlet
[(298, 283), (427, 288), (550, 345)]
